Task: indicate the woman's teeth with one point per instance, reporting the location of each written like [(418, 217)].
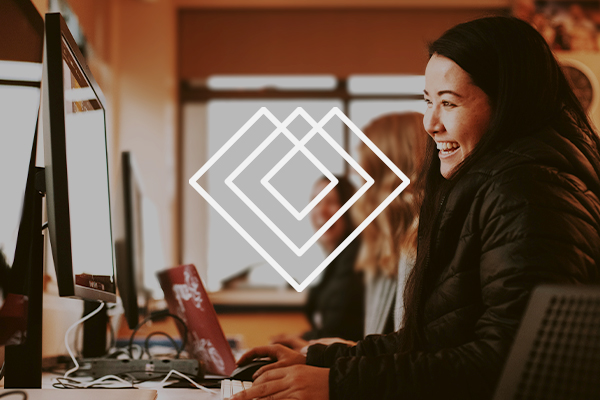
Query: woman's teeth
[(447, 147)]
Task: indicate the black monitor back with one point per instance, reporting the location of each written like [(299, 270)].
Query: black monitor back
[(129, 250), (556, 354)]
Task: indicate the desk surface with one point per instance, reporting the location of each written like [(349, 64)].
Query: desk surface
[(114, 394), (49, 393)]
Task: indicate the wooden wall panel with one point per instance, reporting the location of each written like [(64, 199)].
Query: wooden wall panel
[(342, 3), (94, 16), (21, 31), (310, 41)]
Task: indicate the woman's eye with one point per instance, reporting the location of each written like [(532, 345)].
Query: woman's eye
[(428, 102), (447, 104)]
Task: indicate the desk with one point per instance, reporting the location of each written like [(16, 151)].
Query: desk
[(163, 394), (104, 394), (185, 394)]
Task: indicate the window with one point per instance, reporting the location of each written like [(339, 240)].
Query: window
[(214, 111)]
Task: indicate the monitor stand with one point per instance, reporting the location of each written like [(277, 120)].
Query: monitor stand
[(94, 331), (24, 361)]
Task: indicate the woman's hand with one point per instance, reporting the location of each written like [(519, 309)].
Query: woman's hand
[(292, 341), (328, 341), (284, 356), (297, 382)]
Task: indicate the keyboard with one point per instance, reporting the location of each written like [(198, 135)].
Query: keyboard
[(231, 387)]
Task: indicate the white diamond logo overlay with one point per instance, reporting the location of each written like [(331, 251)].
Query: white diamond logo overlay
[(299, 146), (299, 215)]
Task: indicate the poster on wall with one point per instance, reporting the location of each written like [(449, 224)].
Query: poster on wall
[(567, 25)]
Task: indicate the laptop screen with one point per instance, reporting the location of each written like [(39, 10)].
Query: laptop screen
[(187, 298)]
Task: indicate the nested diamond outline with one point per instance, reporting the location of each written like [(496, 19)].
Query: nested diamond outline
[(298, 286)]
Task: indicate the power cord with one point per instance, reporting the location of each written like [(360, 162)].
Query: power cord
[(77, 341), (90, 315), (160, 315), (13, 392), (147, 342)]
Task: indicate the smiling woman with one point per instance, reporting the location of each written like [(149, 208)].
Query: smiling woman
[(511, 200), (458, 112)]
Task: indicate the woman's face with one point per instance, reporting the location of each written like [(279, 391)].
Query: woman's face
[(458, 112), (322, 212)]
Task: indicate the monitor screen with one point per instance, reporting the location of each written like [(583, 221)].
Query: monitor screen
[(77, 179), (19, 105), (18, 113)]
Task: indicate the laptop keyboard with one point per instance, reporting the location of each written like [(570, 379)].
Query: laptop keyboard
[(231, 387)]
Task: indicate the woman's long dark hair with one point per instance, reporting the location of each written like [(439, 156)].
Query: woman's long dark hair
[(511, 62)]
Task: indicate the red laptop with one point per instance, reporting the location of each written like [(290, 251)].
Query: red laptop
[(186, 298)]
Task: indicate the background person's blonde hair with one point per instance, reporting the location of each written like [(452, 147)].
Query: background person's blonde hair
[(402, 138)]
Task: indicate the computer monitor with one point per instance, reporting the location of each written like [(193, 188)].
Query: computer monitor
[(76, 166), (76, 184), (130, 249), (21, 38)]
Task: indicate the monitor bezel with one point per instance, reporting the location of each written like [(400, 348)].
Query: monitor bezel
[(55, 159)]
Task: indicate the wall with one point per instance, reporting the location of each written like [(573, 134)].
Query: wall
[(481, 4), (133, 57), (22, 31), (311, 41), (145, 86)]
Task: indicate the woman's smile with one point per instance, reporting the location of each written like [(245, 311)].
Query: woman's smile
[(447, 149)]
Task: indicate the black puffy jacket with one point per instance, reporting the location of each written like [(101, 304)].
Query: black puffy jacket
[(527, 215)]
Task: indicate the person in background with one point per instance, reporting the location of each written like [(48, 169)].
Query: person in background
[(335, 304), (389, 243), (511, 201)]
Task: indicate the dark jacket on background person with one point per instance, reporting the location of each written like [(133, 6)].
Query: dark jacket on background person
[(527, 215), (335, 306)]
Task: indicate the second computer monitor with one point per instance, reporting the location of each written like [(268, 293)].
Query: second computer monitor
[(130, 250)]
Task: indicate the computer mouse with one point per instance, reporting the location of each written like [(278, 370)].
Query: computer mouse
[(245, 372)]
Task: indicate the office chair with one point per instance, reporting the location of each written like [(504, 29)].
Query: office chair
[(556, 353)]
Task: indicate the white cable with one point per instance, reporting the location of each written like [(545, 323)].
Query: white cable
[(74, 383), (171, 372), (90, 315), (140, 349), (105, 378), (95, 383)]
